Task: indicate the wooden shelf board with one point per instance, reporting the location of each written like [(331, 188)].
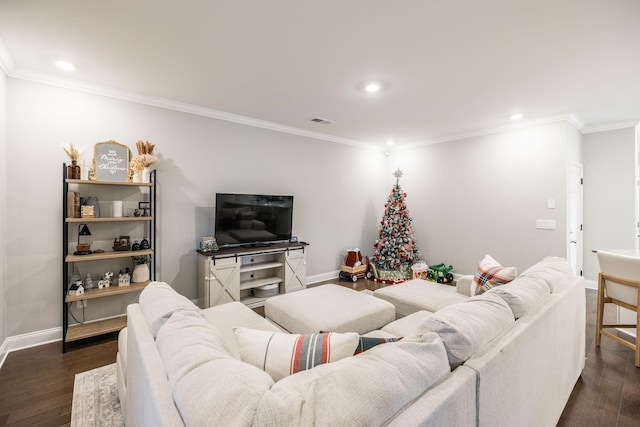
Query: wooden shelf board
[(106, 255), (107, 292), (92, 329), (249, 284), (130, 184), (260, 266), (110, 219)]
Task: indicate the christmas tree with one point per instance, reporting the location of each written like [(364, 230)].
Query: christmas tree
[(395, 249)]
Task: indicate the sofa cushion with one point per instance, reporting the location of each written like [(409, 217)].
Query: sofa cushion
[(491, 274), (367, 389), (408, 325), (281, 354), (415, 295), (522, 294), (468, 326), (225, 316), (209, 385), (463, 284), (555, 271), (158, 301)]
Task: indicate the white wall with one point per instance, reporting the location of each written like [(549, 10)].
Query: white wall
[(609, 194), (3, 208), (482, 195), (338, 189), (468, 197)]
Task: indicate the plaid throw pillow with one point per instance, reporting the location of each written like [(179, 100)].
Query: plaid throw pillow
[(367, 343), (491, 274), (281, 354)]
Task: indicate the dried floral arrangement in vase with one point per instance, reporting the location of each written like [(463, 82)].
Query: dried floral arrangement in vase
[(140, 164), (73, 170)]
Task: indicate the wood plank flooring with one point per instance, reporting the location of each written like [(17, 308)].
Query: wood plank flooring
[(36, 384)]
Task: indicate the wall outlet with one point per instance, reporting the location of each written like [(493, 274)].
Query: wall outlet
[(546, 224)]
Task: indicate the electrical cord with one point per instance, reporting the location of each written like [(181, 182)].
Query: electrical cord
[(74, 317)]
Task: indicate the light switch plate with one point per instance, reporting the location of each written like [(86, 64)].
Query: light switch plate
[(546, 224)]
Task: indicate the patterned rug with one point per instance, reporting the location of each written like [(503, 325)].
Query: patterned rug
[(95, 399)]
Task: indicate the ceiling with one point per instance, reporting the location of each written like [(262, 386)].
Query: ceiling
[(448, 69)]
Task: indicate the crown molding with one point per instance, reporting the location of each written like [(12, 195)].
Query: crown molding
[(611, 126), (576, 122), (168, 104), (11, 70), (6, 60), (488, 131)]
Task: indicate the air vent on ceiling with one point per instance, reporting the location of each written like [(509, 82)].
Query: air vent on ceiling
[(320, 120)]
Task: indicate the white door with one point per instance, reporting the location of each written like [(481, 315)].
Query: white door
[(295, 271), (223, 281), (574, 248)]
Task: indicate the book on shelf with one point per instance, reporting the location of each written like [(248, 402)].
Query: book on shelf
[(73, 204)]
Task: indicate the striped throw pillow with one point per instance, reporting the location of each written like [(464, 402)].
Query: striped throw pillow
[(491, 274), (281, 354)]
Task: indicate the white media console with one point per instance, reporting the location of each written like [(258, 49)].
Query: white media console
[(250, 274)]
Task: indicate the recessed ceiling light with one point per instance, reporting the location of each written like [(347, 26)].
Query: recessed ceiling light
[(65, 65), (372, 87), (390, 142), (516, 116)]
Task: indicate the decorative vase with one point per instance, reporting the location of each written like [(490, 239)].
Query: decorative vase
[(140, 273), (137, 176), (146, 175), (73, 170)]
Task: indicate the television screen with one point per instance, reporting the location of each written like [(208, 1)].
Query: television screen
[(249, 219)]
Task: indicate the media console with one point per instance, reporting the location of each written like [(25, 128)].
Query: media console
[(250, 274)]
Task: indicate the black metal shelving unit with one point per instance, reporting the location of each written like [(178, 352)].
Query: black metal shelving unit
[(94, 328)]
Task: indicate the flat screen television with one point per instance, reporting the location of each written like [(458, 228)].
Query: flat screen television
[(252, 219)]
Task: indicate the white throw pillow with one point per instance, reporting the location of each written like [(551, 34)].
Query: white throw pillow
[(158, 301), (491, 274), (209, 386), (467, 326), (281, 354), (554, 270), (522, 294)]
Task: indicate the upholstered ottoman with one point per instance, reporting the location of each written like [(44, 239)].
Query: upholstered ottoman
[(415, 295), (329, 308)]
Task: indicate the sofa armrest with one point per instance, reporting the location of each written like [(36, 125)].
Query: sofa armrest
[(463, 285)]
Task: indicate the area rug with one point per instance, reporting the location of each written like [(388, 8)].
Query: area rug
[(95, 399)]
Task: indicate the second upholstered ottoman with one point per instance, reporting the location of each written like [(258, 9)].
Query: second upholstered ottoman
[(330, 308)]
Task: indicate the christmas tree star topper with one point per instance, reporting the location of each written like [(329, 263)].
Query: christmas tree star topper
[(398, 174)]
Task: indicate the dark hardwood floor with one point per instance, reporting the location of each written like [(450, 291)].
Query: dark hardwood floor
[(36, 384), (608, 391)]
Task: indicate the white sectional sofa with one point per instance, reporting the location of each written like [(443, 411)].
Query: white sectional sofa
[(468, 363)]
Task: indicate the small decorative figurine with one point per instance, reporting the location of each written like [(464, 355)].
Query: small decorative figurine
[(105, 281), (88, 282), (124, 279), (144, 244), (76, 289)]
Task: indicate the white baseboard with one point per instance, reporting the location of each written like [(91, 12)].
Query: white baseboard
[(3, 352), (590, 284), (32, 339), (322, 277)]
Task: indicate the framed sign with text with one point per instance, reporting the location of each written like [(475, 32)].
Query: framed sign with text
[(110, 162)]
